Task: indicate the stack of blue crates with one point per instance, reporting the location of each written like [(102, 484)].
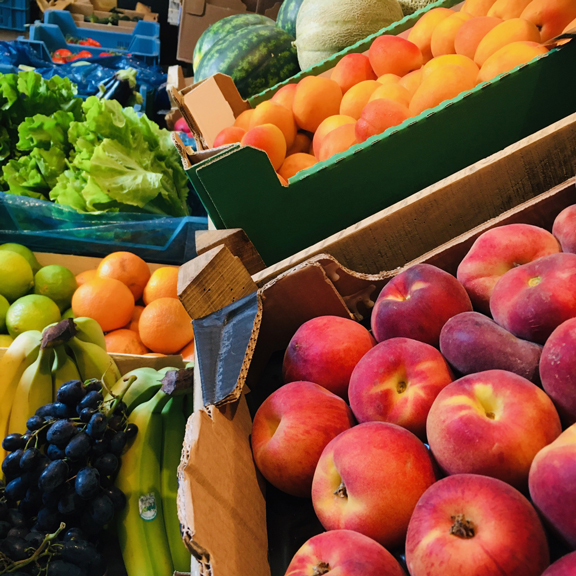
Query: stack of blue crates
[(14, 14)]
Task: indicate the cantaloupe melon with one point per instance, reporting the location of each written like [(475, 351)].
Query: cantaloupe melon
[(410, 6), (324, 27)]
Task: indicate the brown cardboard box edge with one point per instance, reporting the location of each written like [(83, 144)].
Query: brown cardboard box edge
[(217, 448)]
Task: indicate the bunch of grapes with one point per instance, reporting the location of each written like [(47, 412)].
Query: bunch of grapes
[(59, 493)]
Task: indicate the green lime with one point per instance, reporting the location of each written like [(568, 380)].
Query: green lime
[(4, 305), (56, 282), (25, 252), (32, 312), (5, 340), (68, 314), (16, 276)]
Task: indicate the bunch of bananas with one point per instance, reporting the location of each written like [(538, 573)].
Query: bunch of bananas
[(37, 364)]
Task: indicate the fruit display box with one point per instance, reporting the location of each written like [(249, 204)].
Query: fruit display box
[(232, 522), (239, 186)]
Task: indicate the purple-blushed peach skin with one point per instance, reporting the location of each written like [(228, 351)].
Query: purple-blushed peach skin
[(531, 301), (369, 479), (558, 370), (491, 423), (472, 342), (417, 303), (566, 566), (552, 485), (495, 252), (397, 382), (564, 229), (475, 526), (291, 429), (325, 350), (345, 553)]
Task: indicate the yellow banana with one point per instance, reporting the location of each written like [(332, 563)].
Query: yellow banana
[(89, 331), (173, 430), (148, 382), (63, 369), (140, 525), (33, 390)]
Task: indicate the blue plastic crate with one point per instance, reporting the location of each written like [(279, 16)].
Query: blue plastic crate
[(14, 14)]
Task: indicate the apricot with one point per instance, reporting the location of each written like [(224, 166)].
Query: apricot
[(293, 164), (509, 57), (471, 33), (337, 141), (571, 27), (394, 55), (378, 116), (508, 9), (357, 97), (229, 135), (302, 143), (550, 16), (442, 84), (444, 34), (515, 30), (283, 180), (331, 123), (392, 92), (272, 113), (421, 33), (388, 78), (243, 120), (316, 98), (412, 81), (477, 7), (285, 96), (451, 60), (351, 70), (269, 138)]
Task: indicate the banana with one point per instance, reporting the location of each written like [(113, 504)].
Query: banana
[(19, 356), (89, 331), (148, 382), (33, 390), (63, 369), (141, 529), (173, 430), (93, 362)]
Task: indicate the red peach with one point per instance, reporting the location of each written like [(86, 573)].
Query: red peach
[(343, 552), (479, 424), (290, 431), (325, 350), (566, 566), (351, 70), (531, 301), (417, 303), (564, 229), (369, 479), (397, 382), (394, 55), (378, 116), (497, 251), (229, 135), (478, 526)]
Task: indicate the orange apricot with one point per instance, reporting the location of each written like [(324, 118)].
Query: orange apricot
[(316, 98), (293, 164), (269, 138), (357, 97), (351, 70)]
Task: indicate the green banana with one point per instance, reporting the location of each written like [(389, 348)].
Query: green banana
[(148, 382), (63, 369), (173, 430), (89, 331), (93, 362), (33, 390), (141, 530), (19, 356)]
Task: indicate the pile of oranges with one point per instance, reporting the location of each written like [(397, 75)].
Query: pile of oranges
[(138, 310)]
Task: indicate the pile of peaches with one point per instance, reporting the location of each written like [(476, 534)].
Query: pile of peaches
[(449, 430), (446, 53)]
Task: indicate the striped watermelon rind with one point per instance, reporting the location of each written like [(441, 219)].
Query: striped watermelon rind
[(223, 28), (257, 58), (287, 16)]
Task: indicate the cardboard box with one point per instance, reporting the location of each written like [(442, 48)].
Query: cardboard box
[(79, 11), (197, 15), (240, 189), (232, 523)]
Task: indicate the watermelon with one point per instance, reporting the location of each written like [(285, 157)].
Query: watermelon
[(224, 27), (256, 57), (287, 16)]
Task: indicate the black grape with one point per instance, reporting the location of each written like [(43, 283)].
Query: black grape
[(17, 519), (74, 534), (45, 411), (35, 423), (70, 504), (48, 520), (14, 548), (117, 497), (100, 447), (80, 553), (11, 464), (55, 453), (61, 410), (35, 539), (131, 431), (42, 464), (87, 483), (86, 414), (97, 426), (79, 446), (120, 408), (5, 527), (70, 393), (106, 464), (17, 533), (101, 510), (60, 432), (29, 507), (16, 489), (117, 443), (91, 400), (93, 385), (116, 422), (61, 568), (30, 458), (98, 566), (12, 442), (54, 476), (50, 499)]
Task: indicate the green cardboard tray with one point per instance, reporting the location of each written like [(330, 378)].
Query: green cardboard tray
[(240, 189)]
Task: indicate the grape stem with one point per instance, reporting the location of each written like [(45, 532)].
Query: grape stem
[(39, 551), (118, 399)]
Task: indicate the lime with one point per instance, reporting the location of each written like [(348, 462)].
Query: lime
[(68, 314), (4, 305), (16, 276), (25, 252), (5, 340), (56, 282), (32, 312)]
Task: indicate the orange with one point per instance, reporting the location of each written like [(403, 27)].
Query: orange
[(165, 326), (124, 342), (135, 319), (128, 268), (162, 284), (106, 300), (187, 352), (86, 276)]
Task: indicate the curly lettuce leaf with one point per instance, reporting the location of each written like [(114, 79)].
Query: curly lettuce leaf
[(23, 177), (68, 190), (40, 131)]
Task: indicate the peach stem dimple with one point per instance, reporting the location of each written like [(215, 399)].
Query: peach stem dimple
[(321, 568), (341, 491), (534, 281), (462, 528), (401, 386)]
